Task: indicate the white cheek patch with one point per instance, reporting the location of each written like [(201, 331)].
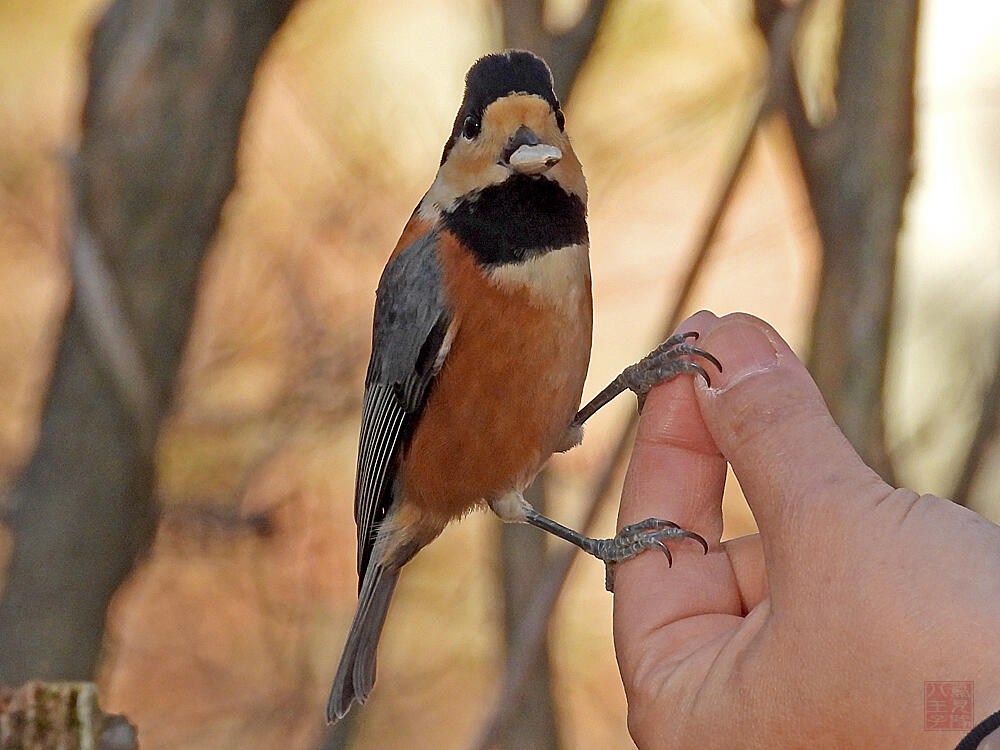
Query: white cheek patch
[(557, 278), (450, 185), (535, 159)]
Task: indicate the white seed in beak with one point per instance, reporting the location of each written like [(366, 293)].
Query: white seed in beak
[(534, 159)]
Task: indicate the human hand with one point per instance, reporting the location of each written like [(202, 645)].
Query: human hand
[(821, 630)]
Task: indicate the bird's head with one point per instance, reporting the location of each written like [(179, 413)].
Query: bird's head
[(510, 125)]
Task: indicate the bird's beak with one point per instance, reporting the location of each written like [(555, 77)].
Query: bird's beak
[(524, 153)]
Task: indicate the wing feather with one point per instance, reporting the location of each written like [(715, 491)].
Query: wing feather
[(408, 337)]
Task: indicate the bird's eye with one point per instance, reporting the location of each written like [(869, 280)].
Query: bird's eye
[(560, 119), (471, 127)]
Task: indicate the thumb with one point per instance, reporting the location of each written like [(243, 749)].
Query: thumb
[(767, 416)]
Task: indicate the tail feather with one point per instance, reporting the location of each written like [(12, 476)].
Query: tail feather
[(356, 672)]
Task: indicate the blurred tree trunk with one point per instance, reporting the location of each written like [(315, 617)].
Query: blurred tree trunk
[(522, 548), (168, 87), (857, 170)]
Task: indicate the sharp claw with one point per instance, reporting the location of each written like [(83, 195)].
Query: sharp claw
[(666, 551), (691, 335), (632, 539), (709, 356), (701, 371), (698, 538)]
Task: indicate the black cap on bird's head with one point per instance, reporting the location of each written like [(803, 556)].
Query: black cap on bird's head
[(510, 130), (511, 72), (498, 75)]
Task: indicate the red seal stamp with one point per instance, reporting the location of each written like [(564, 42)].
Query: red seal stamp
[(948, 705)]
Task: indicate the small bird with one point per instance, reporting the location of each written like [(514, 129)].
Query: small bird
[(480, 346)]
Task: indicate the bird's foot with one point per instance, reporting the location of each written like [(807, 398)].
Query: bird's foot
[(664, 363), (653, 533)]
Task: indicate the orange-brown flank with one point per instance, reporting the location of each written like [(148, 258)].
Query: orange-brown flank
[(505, 396), (413, 230)]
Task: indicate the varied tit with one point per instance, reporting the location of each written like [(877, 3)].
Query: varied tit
[(480, 347)]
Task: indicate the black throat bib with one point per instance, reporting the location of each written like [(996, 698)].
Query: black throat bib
[(517, 219)]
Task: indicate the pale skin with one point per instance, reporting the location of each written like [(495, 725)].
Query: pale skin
[(820, 631)]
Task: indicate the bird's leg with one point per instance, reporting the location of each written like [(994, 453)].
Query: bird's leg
[(653, 533), (664, 363), (660, 365)]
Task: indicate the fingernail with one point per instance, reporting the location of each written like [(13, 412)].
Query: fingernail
[(702, 321), (743, 348)]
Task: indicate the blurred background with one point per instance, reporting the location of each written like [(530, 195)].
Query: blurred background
[(178, 516)]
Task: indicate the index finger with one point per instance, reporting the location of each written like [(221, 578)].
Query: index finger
[(676, 473)]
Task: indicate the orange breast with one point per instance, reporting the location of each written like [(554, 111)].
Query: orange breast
[(506, 394)]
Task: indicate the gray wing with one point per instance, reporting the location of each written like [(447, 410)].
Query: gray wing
[(410, 327)]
